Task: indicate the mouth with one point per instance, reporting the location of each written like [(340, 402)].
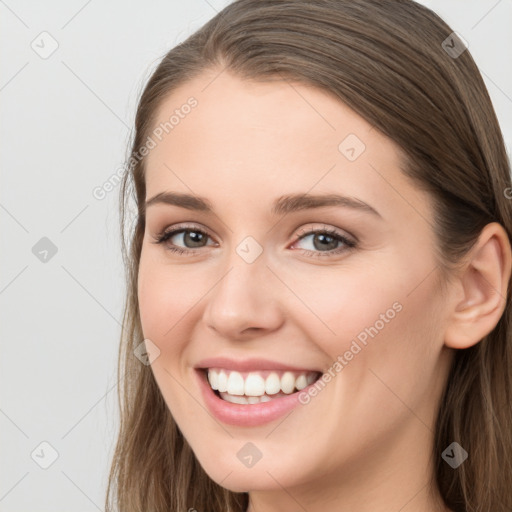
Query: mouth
[(259, 386), (253, 392)]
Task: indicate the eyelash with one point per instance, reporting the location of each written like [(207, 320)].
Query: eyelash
[(163, 236)]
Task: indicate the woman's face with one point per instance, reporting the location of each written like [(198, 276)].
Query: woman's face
[(281, 281)]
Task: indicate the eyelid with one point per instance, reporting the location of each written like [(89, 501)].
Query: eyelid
[(349, 241), (299, 234), (326, 228), (173, 230)]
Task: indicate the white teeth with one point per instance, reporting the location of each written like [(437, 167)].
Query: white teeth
[(235, 384), (301, 382), (235, 399), (272, 384), (288, 382), (222, 381), (213, 379), (254, 385)]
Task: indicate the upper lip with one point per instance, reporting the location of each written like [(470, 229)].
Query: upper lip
[(247, 365)]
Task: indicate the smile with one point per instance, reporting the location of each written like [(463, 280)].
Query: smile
[(252, 392), (257, 386)]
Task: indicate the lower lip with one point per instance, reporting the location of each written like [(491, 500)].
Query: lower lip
[(246, 415)]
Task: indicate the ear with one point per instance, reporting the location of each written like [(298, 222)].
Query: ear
[(482, 289)]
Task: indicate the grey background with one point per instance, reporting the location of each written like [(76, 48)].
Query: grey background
[(65, 125)]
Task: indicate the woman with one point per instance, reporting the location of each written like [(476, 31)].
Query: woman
[(318, 275)]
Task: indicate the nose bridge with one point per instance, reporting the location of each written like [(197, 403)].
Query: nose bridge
[(245, 296), (245, 271)]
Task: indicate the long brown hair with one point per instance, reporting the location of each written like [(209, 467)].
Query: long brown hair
[(387, 61)]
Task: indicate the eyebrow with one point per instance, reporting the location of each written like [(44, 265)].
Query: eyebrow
[(281, 206)]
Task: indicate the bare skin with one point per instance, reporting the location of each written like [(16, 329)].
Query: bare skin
[(363, 442)]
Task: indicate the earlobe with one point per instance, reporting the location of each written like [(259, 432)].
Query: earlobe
[(482, 289)]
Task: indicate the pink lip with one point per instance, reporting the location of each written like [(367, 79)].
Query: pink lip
[(246, 415), (247, 365)]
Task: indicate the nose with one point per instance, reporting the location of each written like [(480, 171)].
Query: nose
[(245, 302)]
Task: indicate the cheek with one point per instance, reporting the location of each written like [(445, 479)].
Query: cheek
[(373, 320), (337, 307), (383, 353), (166, 296), (166, 300)]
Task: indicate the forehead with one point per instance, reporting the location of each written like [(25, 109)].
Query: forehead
[(289, 136)]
